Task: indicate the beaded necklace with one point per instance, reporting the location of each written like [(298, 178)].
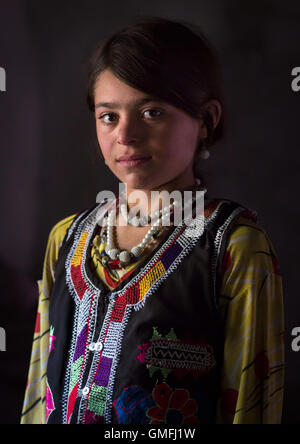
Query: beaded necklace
[(116, 259)]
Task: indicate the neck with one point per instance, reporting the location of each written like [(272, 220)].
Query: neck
[(150, 200)]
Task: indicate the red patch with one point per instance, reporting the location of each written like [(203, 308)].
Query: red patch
[(229, 400), (78, 282), (38, 323), (109, 280), (119, 310), (71, 402)]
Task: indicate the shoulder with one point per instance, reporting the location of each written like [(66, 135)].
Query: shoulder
[(244, 238), (59, 230), (248, 233), (244, 228), (248, 243), (57, 235), (240, 221)]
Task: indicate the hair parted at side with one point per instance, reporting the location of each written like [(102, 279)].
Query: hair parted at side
[(166, 59)]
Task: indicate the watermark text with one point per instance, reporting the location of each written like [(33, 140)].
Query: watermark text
[(2, 340), (2, 79), (296, 80), (187, 207), (296, 341)]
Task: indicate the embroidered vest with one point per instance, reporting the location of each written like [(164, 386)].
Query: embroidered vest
[(149, 352)]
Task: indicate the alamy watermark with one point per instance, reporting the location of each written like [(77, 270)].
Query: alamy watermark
[(188, 207), (2, 340), (2, 79), (296, 341), (296, 80)]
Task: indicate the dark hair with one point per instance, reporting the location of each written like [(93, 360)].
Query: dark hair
[(165, 59)]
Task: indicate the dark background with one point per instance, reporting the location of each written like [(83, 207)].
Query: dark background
[(49, 163)]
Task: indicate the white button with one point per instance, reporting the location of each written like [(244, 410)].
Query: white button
[(99, 346), (85, 391), (92, 346)]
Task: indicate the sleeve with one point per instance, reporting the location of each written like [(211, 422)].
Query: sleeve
[(251, 302), (33, 411)]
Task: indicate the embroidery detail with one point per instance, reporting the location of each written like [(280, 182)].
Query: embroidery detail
[(218, 242), (50, 407), (132, 405), (85, 323), (49, 402), (52, 338), (169, 354), (101, 377), (172, 407)]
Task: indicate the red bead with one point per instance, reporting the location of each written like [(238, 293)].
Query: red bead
[(114, 264)]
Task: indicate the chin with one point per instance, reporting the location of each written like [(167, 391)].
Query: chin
[(137, 182)]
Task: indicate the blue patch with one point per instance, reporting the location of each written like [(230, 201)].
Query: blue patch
[(132, 405)]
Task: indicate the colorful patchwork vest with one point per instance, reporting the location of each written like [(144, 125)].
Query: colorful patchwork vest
[(149, 352)]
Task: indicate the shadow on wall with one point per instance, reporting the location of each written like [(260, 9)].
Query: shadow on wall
[(18, 304)]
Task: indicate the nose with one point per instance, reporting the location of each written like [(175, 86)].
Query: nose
[(127, 131)]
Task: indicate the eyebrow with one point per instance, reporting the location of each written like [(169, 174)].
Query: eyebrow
[(137, 102)]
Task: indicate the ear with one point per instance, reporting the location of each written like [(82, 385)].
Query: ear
[(214, 108)]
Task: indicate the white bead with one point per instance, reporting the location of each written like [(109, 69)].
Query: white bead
[(136, 251), (144, 221), (124, 257), (113, 254), (135, 221)]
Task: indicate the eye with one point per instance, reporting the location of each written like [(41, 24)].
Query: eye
[(154, 113), (106, 118)]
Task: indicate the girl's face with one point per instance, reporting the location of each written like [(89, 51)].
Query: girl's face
[(145, 142)]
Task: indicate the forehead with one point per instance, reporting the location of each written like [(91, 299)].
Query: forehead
[(108, 83), (111, 90)]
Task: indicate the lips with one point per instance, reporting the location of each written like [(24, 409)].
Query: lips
[(134, 162), (133, 157)]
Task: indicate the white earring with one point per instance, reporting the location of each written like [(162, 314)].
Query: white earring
[(204, 153)]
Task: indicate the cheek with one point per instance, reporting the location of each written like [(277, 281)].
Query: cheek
[(181, 142), (104, 142)]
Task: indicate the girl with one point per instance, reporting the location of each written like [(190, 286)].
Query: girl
[(140, 322)]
